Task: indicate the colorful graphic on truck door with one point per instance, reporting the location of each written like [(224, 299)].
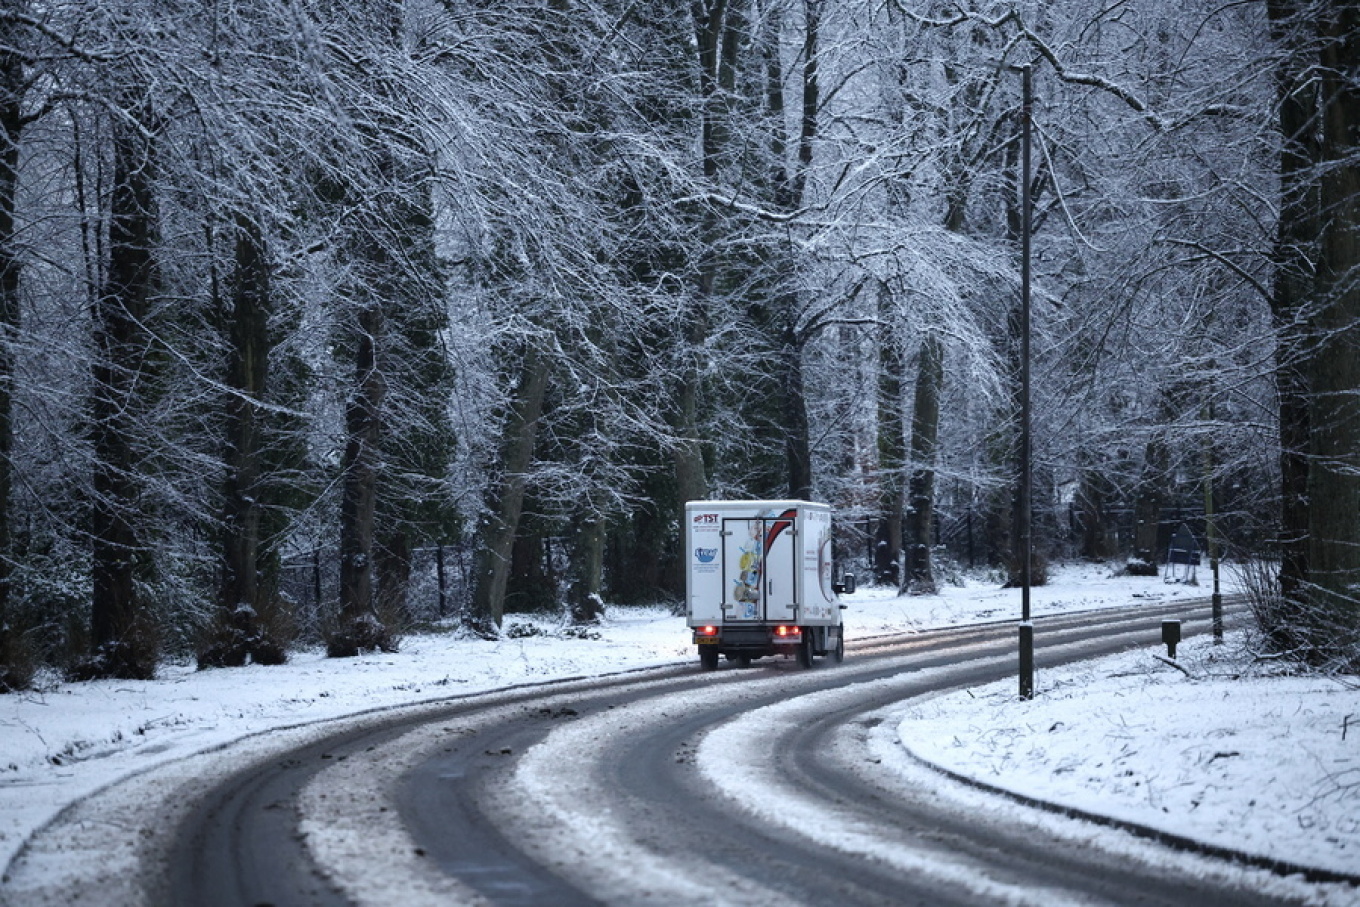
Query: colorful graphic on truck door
[(758, 567)]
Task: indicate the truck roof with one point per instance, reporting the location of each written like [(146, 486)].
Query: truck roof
[(781, 502)]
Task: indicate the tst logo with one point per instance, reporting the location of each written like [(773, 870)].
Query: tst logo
[(705, 519), (706, 555)]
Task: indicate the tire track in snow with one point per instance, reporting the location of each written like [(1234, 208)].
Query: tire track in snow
[(120, 839)]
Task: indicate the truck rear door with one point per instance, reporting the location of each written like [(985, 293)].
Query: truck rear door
[(759, 568)]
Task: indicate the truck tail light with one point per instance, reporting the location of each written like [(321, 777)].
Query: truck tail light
[(787, 632), (705, 631)]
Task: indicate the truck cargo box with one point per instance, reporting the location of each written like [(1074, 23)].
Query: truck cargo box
[(760, 580)]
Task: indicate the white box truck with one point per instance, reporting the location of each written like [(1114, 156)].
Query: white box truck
[(760, 581)]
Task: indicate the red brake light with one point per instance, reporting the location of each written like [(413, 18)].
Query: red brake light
[(707, 631)]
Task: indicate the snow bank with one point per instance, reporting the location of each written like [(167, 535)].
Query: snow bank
[(1235, 754)]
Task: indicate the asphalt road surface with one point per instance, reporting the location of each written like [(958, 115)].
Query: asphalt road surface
[(744, 786)]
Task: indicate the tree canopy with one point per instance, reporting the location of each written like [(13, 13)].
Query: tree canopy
[(322, 321)]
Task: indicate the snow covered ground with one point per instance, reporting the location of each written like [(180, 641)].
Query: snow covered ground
[(1236, 754)]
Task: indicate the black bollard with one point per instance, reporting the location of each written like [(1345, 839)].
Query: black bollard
[(1171, 634)]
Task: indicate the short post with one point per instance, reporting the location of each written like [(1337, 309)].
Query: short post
[(1171, 634), (1026, 660)]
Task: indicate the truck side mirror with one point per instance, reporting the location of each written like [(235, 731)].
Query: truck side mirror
[(846, 586)]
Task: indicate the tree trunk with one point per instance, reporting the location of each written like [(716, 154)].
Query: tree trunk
[(11, 128), (925, 429), (798, 442), (505, 498), (1334, 364), (1147, 510), (587, 565), (892, 454), (120, 634), (1295, 252), (691, 478), (359, 627), (797, 439), (398, 442), (239, 633), (715, 42), (1097, 541), (710, 30), (417, 443), (393, 573)]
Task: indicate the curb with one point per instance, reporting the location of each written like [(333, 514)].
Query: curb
[(1170, 839)]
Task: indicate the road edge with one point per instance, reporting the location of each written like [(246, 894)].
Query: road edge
[(1185, 843)]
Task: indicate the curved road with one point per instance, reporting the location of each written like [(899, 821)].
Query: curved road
[(770, 785)]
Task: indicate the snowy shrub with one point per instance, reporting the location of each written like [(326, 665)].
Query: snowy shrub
[(1304, 627)]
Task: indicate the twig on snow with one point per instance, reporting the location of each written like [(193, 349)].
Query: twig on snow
[(1179, 667)]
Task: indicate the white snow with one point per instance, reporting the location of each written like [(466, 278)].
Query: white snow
[(1237, 754), (739, 759), (348, 825), (1263, 762), (598, 851)]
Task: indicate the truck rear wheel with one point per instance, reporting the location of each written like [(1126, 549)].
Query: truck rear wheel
[(806, 648), (708, 657)]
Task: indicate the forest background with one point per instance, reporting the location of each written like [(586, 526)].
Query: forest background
[(323, 321)]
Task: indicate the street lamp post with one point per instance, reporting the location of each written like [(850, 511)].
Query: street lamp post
[(1026, 450)]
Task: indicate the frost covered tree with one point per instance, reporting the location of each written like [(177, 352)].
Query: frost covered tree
[(1316, 302), (286, 277), (388, 305), (251, 151), (1125, 103), (584, 280)]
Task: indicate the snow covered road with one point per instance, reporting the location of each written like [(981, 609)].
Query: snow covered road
[(748, 787)]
